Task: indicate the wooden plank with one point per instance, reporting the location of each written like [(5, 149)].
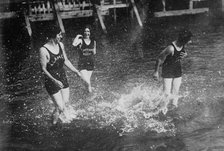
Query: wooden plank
[(115, 13), (164, 5), (199, 0), (6, 15), (101, 20), (181, 12), (58, 16), (136, 13), (118, 1), (108, 2), (74, 6), (191, 4), (114, 6), (10, 1), (28, 26), (64, 15), (76, 14), (49, 9)]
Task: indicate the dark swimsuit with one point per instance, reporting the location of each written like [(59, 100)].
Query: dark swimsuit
[(86, 60), (55, 68), (171, 67)]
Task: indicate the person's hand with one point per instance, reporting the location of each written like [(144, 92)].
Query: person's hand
[(79, 36), (156, 76), (59, 83), (183, 55)]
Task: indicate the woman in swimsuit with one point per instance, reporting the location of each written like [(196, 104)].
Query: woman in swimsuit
[(170, 58), (86, 51), (52, 59)]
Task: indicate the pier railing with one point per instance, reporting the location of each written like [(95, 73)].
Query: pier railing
[(43, 10), (191, 9)]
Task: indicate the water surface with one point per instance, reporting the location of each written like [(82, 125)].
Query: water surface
[(125, 111)]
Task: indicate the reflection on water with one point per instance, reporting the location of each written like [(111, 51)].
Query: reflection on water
[(126, 111)]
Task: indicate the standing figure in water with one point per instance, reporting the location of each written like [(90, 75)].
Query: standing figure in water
[(170, 59), (86, 51), (52, 59)]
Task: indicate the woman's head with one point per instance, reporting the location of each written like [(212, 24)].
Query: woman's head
[(87, 30), (184, 36), (52, 32)]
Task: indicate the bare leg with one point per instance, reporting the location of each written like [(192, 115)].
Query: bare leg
[(55, 115), (167, 83), (175, 90), (59, 106), (89, 74), (58, 100), (86, 75), (65, 95)]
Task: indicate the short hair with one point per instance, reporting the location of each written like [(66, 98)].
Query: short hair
[(184, 36), (52, 32), (87, 26)]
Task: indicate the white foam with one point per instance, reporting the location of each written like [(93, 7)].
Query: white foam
[(134, 110)]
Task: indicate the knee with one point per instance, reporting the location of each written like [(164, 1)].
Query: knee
[(166, 95), (166, 89), (175, 91), (66, 100), (166, 92), (60, 109)]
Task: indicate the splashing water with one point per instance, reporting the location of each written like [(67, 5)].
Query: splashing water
[(137, 110)]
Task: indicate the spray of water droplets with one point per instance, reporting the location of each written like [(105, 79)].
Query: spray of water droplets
[(137, 110)]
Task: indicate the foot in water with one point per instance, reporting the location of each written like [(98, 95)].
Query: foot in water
[(175, 101), (90, 89), (65, 117), (55, 117)]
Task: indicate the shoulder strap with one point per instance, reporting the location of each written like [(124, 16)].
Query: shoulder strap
[(173, 46), (47, 50), (60, 49)]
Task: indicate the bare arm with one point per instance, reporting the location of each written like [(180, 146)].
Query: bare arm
[(77, 40), (67, 62), (161, 58), (44, 59)]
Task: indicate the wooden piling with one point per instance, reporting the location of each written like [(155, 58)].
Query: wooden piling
[(190, 10), (27, 21), (136, 13), (191, 5), (115, 13), (101, 19), (223, 5), (56, 12), (28, 26), (41, 10), (164, 5)]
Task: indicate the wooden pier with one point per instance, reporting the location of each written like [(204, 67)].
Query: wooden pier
[(43, 10), (191, 10), (66, 9)]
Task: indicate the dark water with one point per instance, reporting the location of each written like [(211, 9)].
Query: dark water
[(124, 113)]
